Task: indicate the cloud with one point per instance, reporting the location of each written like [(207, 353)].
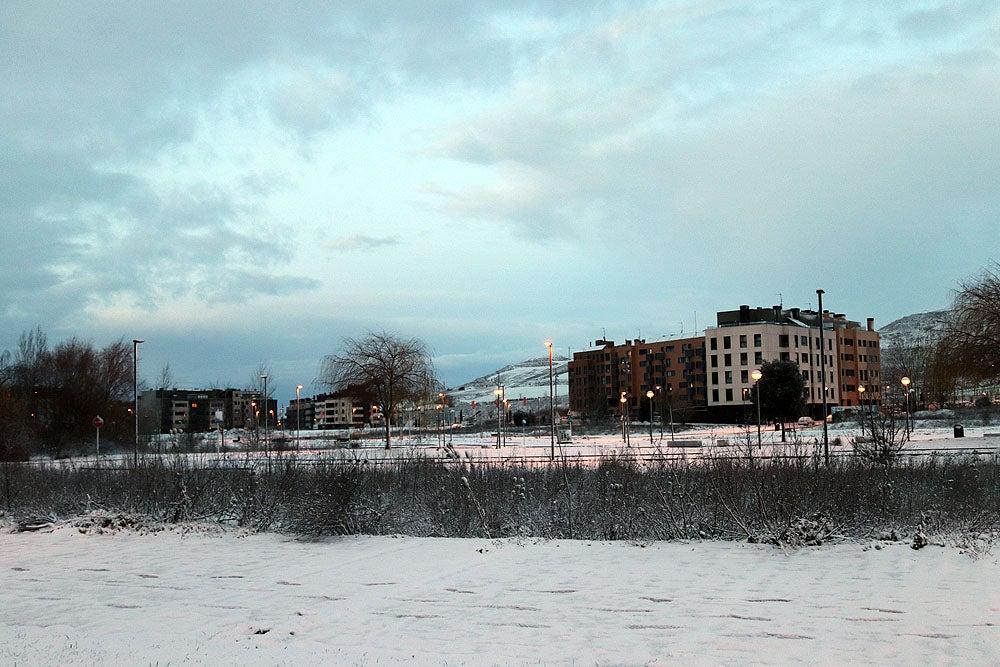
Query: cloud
[(360, 243)]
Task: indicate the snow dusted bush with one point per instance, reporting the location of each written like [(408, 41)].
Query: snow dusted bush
[(794, 501)]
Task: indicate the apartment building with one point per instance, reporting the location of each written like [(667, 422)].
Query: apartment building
[(198, 410), (334, 411), (674, 370), (746, 338)]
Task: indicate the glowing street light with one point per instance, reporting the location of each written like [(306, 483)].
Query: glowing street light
[(623, 400), (757, 375), (905, 381), (861, 403), (649, 395), (499, 403)]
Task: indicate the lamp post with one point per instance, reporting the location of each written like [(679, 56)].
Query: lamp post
[(267, 450), (499, 402), (298, 417), (822, 367), (861, 405), (905, 381), (649, 395), (659, 390), (135, 396), (757, 375), (623, 400), (670, 408), (552, 407)]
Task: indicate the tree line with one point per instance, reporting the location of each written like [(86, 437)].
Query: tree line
[(49, 396)]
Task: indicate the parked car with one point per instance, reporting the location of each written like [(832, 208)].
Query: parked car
[(806, 421)]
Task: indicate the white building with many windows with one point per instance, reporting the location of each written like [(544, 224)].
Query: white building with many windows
[(746, 338)]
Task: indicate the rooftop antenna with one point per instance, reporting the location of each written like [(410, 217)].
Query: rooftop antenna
[(781, 300)]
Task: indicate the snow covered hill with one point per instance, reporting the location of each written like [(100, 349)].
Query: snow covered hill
[(919, 328), (528, 379)]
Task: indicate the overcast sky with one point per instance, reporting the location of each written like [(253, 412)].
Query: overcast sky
[(246, 183)]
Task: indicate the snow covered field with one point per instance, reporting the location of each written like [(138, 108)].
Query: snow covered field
[(691, 443), (73, 597), (197, 594)]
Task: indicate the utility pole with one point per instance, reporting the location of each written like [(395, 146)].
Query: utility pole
[(822, 370)]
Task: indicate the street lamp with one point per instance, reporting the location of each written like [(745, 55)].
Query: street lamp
[(623, 400), (822, 367), (298, 416), (659, 390), (267, 451), (499, 394), (552, 407), (649, 395), (861, 405), (906, 396), (135, 396), (757, 375)]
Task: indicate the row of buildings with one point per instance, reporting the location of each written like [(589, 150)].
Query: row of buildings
[(710, 377), (705, 377), (197, 410)]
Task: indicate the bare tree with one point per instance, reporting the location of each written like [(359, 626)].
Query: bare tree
[(389, 368), (970, 346)]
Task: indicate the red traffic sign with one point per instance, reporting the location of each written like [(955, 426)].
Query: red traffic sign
[(98, 422)]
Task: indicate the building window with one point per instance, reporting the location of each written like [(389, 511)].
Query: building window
[(758, 358), (728, 360), (756, 340), (783, 340), (713, 343), (729, 395), (744, 376), (715, 361), (743, 359), (715, 395), (743, 340), (784, 356), (729, 377), (727, 342)]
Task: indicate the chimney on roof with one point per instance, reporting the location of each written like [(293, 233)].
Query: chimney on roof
[(777, 313), (871, 324)]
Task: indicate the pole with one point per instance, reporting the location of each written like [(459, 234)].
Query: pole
[(552, 407), (298, 417), (649, 395), (135, 397), (822, 367), (499, 393), (757, 375)]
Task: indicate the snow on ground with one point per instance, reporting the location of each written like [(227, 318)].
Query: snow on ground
[(225, 599)]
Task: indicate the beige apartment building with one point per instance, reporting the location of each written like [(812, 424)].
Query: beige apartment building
[(845, 358)]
